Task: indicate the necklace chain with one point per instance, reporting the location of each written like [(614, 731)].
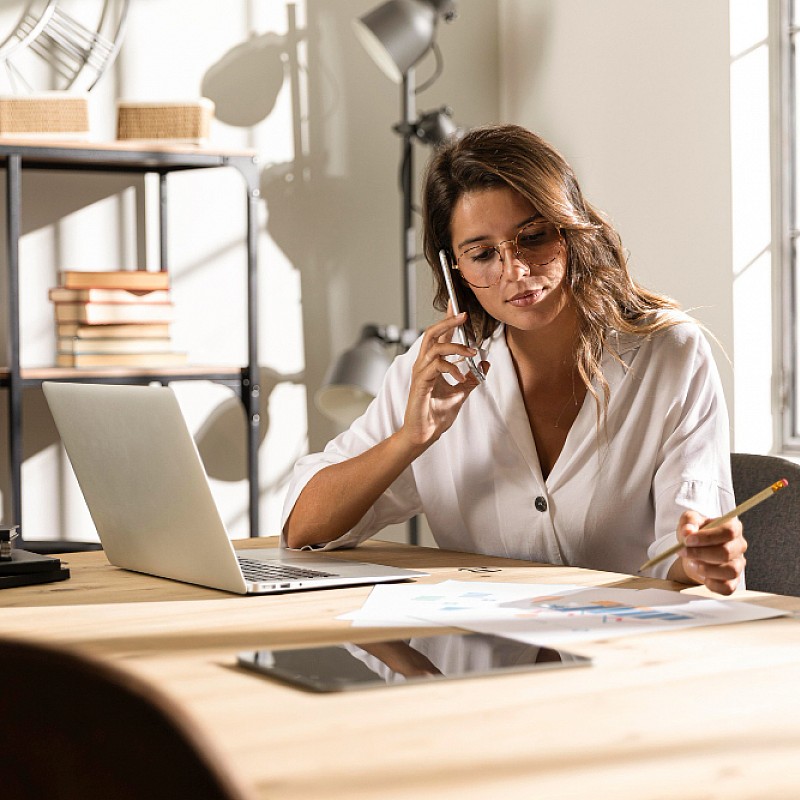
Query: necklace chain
[(574, 401)]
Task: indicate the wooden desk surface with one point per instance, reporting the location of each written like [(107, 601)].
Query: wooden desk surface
[(702, 713)]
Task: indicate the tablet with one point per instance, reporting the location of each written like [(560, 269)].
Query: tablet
[(405, 661)]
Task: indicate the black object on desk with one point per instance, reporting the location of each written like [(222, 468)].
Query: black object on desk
[(22, 568)]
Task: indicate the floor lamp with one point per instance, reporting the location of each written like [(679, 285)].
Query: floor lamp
[(396, 34)]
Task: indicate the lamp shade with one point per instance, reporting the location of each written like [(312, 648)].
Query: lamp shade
[(436, 127), (397, 34), (354, 379)]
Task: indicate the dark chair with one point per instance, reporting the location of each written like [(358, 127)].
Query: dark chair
[(74, 728), (772, 529)]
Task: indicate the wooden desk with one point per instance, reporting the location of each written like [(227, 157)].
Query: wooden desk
[(702, 713)]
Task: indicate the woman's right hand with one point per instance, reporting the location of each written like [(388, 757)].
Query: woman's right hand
[(338, 496), (433, 402)]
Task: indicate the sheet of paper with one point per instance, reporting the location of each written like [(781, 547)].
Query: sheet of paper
[(404, 604), (598, 613)]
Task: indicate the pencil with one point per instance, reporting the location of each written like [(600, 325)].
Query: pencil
[(736, 512)]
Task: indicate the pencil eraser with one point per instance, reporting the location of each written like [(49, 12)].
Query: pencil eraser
[(783, 482)]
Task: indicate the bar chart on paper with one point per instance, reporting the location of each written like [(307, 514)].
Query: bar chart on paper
[(550, 614)]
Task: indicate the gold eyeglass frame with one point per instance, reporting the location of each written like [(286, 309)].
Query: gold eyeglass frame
[(517, 253)]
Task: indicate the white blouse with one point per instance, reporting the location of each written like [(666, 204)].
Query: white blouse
[(613, 497)]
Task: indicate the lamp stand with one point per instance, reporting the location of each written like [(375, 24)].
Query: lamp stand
[(409, 243)]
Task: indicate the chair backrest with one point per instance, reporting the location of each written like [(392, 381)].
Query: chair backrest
[(75, 728), (772, 529)]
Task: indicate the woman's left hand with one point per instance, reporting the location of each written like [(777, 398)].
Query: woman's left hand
[(712, 556)]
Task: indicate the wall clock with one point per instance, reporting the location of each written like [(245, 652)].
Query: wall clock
[(58, 44)]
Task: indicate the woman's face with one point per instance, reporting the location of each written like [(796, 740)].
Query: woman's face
[(527, 298)]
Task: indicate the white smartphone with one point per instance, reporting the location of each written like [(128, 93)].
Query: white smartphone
[(462, 336)]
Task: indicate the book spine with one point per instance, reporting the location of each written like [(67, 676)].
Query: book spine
[(60, 294), (100, 313), (152, 360), (135, 330), (111, 345), (134, 280)]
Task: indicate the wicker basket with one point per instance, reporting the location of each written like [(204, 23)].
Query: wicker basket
[(49, 114), (181, 122)]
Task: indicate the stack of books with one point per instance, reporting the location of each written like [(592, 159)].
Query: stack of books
[(114, 319)]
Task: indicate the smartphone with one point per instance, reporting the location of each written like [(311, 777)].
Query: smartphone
[(462, 336)]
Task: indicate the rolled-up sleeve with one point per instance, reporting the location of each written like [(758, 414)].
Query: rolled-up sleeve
[(693, 469)]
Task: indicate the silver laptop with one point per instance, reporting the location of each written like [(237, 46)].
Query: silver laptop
[(148, 494)]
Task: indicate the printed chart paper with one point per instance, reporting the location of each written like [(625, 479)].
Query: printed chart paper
[(407, 604), (549, 614)]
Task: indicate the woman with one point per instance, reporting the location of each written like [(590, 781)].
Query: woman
[(600, 433)]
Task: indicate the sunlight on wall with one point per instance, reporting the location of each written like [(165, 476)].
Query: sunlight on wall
[(751, 195)]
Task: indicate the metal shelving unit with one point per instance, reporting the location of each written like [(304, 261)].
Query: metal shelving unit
[(124, 157)]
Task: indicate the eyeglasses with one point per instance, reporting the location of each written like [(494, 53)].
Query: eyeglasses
[(535, 245)]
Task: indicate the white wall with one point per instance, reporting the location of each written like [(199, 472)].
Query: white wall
[(635, 93)]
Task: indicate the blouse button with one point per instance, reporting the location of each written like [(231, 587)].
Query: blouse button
[(540, 504)]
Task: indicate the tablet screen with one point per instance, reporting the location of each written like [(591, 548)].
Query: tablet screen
[(401, 661)]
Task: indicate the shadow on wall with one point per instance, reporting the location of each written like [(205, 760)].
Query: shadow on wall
[(325, 205), (244, 85), (323, 256), (335, 209), (220, 439)]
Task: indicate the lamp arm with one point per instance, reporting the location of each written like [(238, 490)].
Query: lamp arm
[(437, 70)]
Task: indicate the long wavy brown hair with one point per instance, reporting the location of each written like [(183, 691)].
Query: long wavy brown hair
[(605, 296)]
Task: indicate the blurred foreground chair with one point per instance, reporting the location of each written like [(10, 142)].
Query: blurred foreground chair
[(75, 729), (772, 529)]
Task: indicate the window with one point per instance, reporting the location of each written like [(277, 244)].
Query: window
[(785, 30)]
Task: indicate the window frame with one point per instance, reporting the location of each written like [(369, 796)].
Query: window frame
[(783, 37)]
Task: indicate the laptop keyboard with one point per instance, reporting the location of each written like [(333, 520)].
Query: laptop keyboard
[(254, 570)]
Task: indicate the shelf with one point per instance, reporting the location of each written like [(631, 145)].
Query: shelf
[(35, 375), (160, 158), (121, 156)]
